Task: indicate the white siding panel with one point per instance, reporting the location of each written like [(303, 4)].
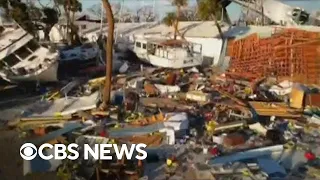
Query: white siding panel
[(211, 47)]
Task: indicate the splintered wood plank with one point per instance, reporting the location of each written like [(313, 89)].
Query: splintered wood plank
[(274, 109), (296, 98)]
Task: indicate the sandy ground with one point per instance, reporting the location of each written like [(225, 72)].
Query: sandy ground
[(11, 166)]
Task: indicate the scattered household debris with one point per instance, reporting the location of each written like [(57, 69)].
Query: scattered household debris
[(246, 122)]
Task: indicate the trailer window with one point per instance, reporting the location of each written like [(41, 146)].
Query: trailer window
[(11, 60), (138, 44), (23, 53), (32, 58), (2, 64), (33, 45)]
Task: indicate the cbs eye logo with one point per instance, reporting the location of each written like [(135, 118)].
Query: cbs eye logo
[(28, 151)]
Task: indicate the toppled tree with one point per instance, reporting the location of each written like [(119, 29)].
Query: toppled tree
[(211, 10)]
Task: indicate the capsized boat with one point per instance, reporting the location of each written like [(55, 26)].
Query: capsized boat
[(23, 59), (74, 59), (84, 54)]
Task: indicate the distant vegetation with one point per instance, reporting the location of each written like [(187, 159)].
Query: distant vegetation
[(33, 18), (205, 10)]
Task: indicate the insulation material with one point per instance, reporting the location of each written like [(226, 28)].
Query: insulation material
[(198, 96), (257, 127), (167, 89)]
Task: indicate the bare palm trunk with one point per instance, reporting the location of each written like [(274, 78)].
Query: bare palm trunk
[(175, 28), (46, 31), (176, 24), (218, 25), (262, 14), (67, 27), (177, 32), (109, 48), (72, 28), (66, 10)]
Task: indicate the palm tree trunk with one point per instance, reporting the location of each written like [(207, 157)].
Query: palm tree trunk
[(176, 24), (175, 28), (262, 14), (46, 31), (177, 32), (218, 25), (109, 48), (67, 12), (72, 26)]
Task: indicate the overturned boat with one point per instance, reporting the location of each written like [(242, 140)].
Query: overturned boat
[(23, 59), (84, 55), (72, 60)]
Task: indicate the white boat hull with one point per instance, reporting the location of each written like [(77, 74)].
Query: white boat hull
[(168, 63), (49, 74)]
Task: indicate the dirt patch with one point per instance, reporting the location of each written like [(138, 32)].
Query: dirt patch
[(11, 164)]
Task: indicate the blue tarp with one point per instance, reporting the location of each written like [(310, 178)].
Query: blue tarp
[(271, 167), (38, 165)]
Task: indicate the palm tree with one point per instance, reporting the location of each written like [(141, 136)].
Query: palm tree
[(179, 4), (66, 7), (210, 9), (74, 6), (109, 48), (169, 20)]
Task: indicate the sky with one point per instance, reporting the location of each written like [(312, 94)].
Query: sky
[(163, 6)]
